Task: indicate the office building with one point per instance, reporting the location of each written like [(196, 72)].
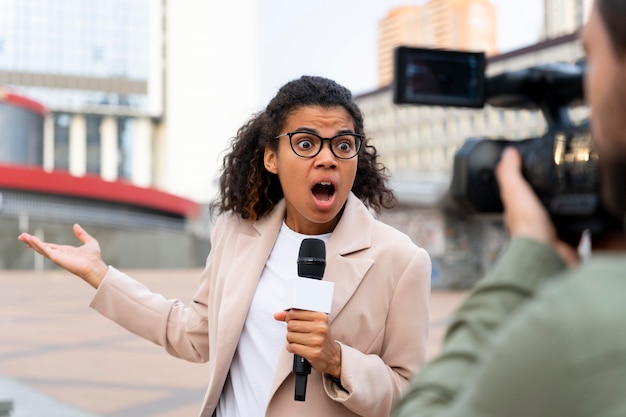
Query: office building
[(452, 24), (562, 17), (136, 90), (135, 100)]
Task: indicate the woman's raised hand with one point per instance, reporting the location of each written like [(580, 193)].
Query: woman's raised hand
[(84, 261)]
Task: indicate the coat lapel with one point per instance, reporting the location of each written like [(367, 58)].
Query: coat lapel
[(252, 248)]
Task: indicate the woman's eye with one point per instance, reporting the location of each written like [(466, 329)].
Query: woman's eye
[(305, 144), (344, 146)]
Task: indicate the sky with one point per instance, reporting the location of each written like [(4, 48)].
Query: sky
[(338, 39)]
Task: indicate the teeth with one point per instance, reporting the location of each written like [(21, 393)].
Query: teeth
[(325, 183)]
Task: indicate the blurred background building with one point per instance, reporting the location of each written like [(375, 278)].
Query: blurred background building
[(468, 25), (140, 93), (135, 89), (562, 17)]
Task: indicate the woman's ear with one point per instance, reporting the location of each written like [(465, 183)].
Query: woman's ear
[(269, 160)]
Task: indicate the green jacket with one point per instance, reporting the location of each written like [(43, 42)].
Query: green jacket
[(532, 339)]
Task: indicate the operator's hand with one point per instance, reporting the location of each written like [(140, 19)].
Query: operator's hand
[(84, 261), (524, 215), (308, 335)]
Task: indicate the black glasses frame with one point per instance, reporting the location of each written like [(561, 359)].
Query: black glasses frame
[(359, 141)]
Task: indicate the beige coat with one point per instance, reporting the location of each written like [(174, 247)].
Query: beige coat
[(379, 312)]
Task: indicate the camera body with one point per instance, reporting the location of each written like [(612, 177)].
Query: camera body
[(560, 165)]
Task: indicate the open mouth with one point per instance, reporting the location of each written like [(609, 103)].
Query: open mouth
[(323, 191)]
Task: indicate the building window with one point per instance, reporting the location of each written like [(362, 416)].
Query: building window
[(62, 141), (124, 139), (93, 144)]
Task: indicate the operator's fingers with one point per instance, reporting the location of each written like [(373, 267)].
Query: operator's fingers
[(524, 214), (510, 179)]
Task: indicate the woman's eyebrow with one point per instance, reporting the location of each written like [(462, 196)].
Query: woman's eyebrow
[(345, 131), (306, 129), (315, 131)]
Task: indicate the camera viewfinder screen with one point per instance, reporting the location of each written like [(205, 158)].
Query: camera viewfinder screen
[(439, 77)]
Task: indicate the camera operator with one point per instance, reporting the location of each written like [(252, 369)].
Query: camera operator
[(543, 335)]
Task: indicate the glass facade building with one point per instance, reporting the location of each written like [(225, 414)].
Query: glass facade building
[(70, 54), (95, 66), (81, 104)]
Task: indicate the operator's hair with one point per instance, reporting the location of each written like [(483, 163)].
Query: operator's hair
[(248, 189), (613, 14)]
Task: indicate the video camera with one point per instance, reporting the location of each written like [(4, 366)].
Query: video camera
[(560, 165)]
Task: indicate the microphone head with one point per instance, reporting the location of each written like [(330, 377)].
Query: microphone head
[(312, 258)]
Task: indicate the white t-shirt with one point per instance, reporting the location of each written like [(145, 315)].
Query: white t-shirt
[(252, 370)]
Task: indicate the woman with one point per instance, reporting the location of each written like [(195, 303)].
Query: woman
[(300, 168)]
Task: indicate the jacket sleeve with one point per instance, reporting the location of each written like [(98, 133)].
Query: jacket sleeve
[(541, 364), (181, 329), (370, 382), (522, 269)]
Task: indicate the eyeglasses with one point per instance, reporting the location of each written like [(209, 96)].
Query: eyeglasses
[(308, 145)]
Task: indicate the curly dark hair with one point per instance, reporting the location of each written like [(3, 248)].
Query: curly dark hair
[(251, 191)]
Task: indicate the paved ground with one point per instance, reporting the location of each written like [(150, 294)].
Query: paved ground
[(59, 358)]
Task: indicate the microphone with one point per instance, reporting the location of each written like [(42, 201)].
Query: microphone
[(311, 264)]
